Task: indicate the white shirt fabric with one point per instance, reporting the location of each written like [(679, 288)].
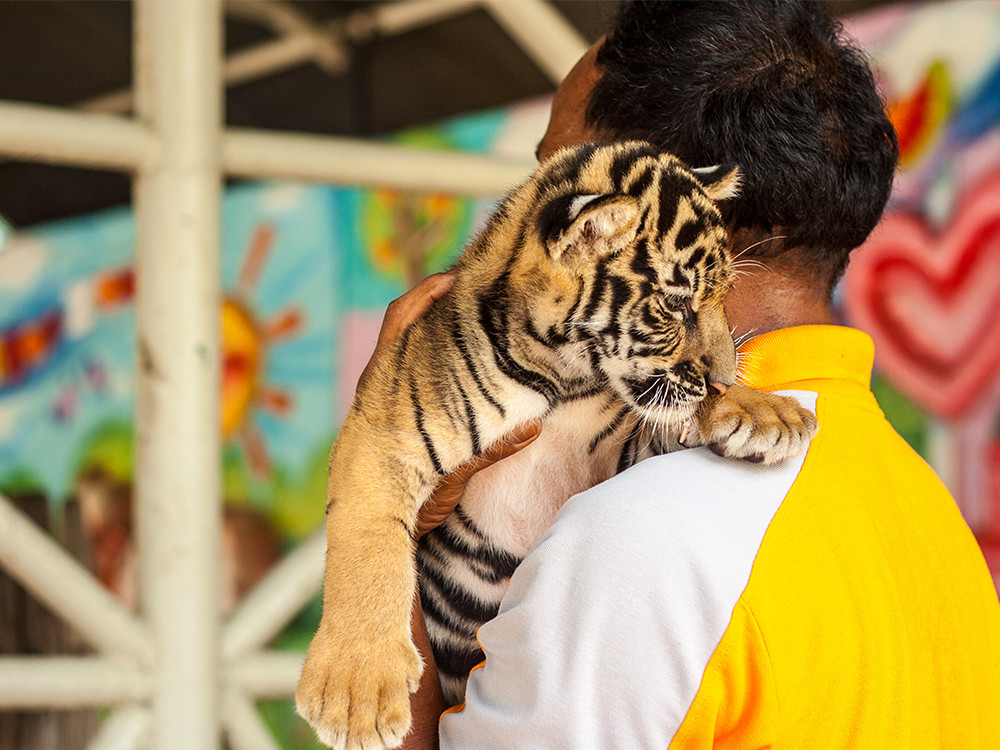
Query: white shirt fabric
[(604, 634)]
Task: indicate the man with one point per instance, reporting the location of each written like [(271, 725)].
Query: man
[(835, 601)]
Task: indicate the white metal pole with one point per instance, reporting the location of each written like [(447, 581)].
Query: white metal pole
[(28, 131), (58, 136), (244, 728), (269, 674), (276, 599), (178, 45), (542, 32), (257, 153), (31, 682), (45, 568), (125, 729)]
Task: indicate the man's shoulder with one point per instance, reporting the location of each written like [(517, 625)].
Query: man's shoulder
[(683, 494), (687, 524)]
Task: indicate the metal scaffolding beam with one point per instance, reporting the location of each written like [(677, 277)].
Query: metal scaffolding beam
[(58, 136), (349, 161), (179, 99), (30, 131), (275, 599), (542, 32), (44, 567), (32, 682), (125, 729), (271, 674)]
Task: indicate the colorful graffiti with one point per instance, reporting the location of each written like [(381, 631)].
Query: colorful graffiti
[(926, 285), (67, 352)]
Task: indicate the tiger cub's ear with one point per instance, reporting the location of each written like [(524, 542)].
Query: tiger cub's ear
[(720, 182), (578, 227)]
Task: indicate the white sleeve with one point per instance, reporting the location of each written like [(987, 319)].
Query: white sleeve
[(608, 624)]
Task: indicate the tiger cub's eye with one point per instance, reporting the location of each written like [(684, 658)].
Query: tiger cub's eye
[(676, 303)]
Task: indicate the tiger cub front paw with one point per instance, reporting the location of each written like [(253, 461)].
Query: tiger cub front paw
[(754, 425), (357, 697)]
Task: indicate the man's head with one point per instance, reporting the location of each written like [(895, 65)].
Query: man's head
[(765, 84)]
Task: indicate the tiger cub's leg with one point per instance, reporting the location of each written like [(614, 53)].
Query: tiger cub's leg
[(362, 665)]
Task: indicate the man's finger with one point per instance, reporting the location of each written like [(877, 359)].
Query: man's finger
[(408, 309), (516, 440), (449, 492)]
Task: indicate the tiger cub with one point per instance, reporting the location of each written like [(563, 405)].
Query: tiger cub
[(593, 301)]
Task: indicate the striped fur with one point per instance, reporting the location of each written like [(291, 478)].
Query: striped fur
[(593, 300)]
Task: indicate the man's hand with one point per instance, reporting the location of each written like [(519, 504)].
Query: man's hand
[(400, 315), (407, 310)]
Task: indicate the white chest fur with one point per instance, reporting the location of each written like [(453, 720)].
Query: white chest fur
[(514, 501)]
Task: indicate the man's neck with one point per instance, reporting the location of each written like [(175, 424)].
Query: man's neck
[(763, 300)]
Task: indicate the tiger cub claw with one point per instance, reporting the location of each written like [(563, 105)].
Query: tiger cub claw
[(358, 702), (754, 425)]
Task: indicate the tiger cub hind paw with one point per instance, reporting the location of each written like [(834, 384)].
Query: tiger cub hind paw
[(755, 426), (359, 704)]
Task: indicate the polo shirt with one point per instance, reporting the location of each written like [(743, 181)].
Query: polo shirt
[(835, 600)]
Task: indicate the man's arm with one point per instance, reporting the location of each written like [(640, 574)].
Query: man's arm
[(428, 702)]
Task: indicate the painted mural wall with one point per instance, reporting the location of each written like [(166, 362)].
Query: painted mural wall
[(926, 285)]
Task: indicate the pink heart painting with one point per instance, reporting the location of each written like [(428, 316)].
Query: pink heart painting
[(931, 301)]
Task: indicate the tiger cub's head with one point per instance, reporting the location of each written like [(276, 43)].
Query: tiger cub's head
[(624, 272)]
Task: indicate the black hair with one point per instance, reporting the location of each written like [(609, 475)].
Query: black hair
[(770, 85)]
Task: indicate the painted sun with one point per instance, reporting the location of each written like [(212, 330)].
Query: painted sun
[(246, 342)]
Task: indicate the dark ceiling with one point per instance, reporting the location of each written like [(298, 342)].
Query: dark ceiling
[(64, 52)]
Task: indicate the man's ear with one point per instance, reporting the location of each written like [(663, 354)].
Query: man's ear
[(579, 227), (720, 182)]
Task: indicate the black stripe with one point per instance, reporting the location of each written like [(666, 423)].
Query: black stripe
[(541, 337), (588, 389), (572, 315), (471, 366), (597, 289), (566, 169), (624, 160), (641, 260), (668, 200), (455, 661), (418, 415), (489, 563), (466, 605), (641, 183), (434, 611), (695, 258), (690, 232), (494, 322), (678, 278), (609, 428), (630, 450), (621, 293), (463, 519), (651, 317), (620, 168), (470, 417)]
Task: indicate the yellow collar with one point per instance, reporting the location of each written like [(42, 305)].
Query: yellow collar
[(796, 358)]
